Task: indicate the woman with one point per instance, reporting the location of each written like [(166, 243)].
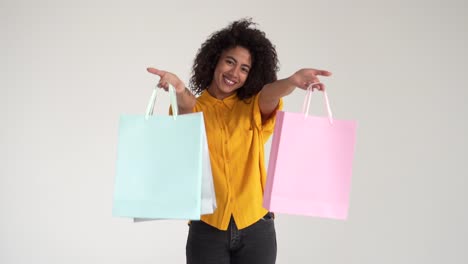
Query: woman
[(234, 74)]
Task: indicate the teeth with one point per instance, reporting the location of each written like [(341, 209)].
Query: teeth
[(229, 81)]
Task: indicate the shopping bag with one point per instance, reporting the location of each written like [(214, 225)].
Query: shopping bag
[(310, 166), (163, 168)]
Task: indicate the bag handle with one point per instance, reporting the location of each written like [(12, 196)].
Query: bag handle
[(152, 101), (306, 105)]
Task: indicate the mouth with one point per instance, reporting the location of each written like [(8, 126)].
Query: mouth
[(228, 81)]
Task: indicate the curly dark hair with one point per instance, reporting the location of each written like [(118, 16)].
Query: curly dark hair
[(238, 33)]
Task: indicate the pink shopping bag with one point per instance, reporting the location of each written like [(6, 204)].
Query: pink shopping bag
[(310, 165)]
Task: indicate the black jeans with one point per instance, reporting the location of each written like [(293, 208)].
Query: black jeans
[(255, 244)]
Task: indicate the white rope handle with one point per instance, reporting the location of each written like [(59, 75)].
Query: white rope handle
[(152, 101), (306, 105)]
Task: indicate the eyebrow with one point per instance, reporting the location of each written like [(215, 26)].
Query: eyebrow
[(232, 58)]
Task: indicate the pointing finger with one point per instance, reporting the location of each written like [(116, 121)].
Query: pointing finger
[(156, 71), (323, 73)]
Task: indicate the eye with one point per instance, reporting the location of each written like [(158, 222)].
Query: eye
[(245, 69), (230, 62)]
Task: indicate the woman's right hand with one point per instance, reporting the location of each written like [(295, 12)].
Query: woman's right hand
[(168, 78)]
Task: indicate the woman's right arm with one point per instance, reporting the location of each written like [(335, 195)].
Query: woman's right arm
[(185, 99)]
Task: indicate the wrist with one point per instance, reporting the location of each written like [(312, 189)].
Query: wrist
[(289, 85), (290, 82), (180, 89)]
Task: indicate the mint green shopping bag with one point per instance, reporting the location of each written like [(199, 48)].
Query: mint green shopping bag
[(163, 168)]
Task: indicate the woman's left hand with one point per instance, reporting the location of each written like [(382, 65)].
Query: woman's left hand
[(303, 78)]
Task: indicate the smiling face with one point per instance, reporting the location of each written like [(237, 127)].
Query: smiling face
[(231, 72)]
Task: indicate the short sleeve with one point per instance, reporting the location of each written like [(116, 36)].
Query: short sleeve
[(193, 110)]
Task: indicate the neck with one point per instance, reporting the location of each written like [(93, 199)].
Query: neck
[(213, 92)]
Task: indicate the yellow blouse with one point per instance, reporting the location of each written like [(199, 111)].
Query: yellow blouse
[(236, 139)]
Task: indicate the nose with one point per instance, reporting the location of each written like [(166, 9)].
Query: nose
[(235, 71)]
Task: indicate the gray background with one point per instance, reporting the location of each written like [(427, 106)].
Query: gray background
[(70, 68)]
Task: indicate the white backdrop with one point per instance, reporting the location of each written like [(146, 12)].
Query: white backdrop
[(70, 68)]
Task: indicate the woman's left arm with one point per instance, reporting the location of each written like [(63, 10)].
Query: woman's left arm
[(271, 93)]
